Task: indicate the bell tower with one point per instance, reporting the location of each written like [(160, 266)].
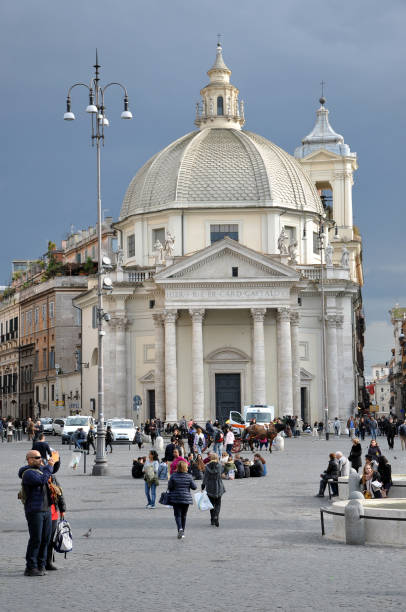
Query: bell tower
[(331, 164), (219, 107)]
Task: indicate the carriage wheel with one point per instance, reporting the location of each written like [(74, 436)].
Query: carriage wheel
[(236, 446)]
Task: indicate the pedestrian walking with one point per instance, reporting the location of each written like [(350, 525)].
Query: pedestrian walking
[(138, 438), (355, 454), (214, 486), (391, 433), (229, 441), (179, 486), (35, 495), (315, 431), (337, 427), (42, 447), (10, 430), (150, 469), (91, 440), (402, 435), (30, 429), (109, 438)]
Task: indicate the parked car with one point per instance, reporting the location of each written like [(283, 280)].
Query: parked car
[(57, 426), (73, 423), (123, 430), (47, 424)]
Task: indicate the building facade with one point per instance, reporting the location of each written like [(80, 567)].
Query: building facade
[(397, 364), (219, 298)]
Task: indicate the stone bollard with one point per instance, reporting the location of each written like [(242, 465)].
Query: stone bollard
[(278, 443), (354, 480), (354, 524)]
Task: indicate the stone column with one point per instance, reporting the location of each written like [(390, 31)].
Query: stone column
[(159, 365), (332, 365), (294, 330), (171, 371), (258, 369), (342, 412), (197, 365), (284, 362), (115, 362)]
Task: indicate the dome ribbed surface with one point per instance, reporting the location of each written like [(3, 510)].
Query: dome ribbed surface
[(220, 165)]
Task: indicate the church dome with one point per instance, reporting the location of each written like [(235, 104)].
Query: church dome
[(220, 165)]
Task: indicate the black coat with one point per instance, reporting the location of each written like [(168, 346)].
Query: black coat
[(179, 486), (257, 469), (212, 479), (333, 469), (169, 451), (240, 468), (355, 456)]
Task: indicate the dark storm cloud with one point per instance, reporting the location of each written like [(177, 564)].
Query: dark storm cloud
[(278, 51)]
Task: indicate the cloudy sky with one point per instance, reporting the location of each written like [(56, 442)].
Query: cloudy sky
[(279, 52)]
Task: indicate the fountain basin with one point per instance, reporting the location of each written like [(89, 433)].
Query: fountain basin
[(386, 529)]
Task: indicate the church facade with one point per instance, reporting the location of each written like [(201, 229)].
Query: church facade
[(238, 278)]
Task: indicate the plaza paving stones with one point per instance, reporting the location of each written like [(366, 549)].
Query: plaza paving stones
[(268, 553)]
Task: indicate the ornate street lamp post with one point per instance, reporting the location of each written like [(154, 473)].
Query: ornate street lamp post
[(96, 109)]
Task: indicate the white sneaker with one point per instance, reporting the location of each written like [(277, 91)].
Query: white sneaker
[(152, 507), (180, 534), (148, 506)]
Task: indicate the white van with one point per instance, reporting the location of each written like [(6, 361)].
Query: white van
[(263, 414), (123, 430), (73, 423)]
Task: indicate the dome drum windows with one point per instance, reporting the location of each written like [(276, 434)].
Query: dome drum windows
[(220, 105)]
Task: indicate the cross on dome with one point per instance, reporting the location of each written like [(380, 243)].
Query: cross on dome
[(220, 106)]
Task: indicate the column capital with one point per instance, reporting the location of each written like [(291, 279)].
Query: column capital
[(283, 313), (170, 315), (331, 320), (119, 322), (197, 314), (294, 317), (158, 318), (339, 321), (258, 314)]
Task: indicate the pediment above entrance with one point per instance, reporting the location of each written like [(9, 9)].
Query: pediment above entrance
[(226, 355), (217, 261), (149, 377)]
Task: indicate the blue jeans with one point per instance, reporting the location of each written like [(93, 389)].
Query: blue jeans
[(229, 448), (150, 488), (217, 446), (40, 528), (373, 433)]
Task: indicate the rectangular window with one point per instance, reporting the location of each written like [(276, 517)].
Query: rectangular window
[(131, 245), (22, 331), (44, 314), (37, 394), (78, 258), (36, 317), (44, 359), (234, 271), (44, 394), (52, 358), (316, 241), (51, 310), (93, 252), (86, 255), (52, 393), (16, 326), (218, 232), (36, 364), (158, 234)]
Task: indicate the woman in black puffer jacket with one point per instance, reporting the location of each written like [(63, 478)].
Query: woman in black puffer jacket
[(180, 498)]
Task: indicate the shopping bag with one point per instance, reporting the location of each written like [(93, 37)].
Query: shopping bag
[(74, 462), (202, 501)]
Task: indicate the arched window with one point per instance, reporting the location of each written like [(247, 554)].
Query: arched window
[(220, 105)]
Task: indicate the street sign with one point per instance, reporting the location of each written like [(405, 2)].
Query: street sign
[(137, 401)]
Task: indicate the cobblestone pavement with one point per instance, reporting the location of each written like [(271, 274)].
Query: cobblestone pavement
[(268, 553)]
